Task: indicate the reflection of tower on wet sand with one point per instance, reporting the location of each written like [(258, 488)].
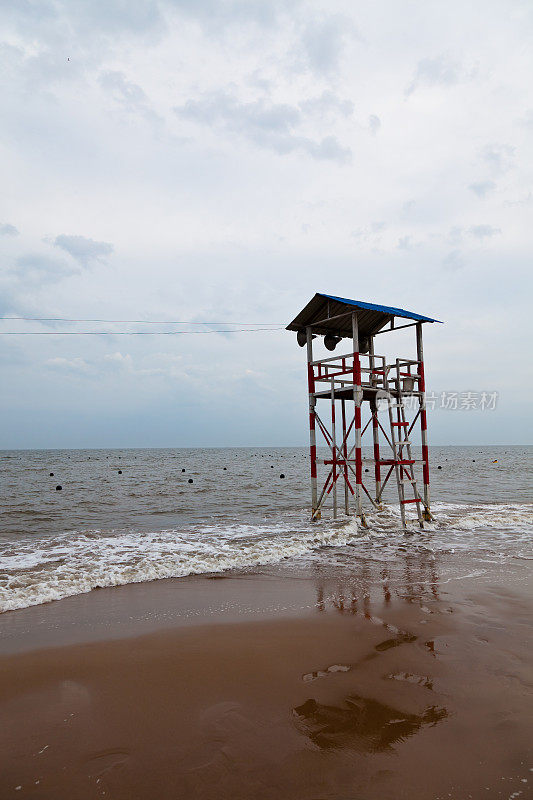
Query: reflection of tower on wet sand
[(412, 578), (386, 694), (361, 376), (361, 723)]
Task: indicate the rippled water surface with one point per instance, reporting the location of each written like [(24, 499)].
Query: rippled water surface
[(126, 516)]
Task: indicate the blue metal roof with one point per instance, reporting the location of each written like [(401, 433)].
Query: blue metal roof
[(326, 313), (396, 312)]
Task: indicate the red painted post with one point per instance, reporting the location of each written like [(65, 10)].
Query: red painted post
[(423, 421), (334, 448), (357, 396)]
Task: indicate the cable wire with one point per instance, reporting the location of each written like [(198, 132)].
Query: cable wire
[(132, 333), (135, 321)]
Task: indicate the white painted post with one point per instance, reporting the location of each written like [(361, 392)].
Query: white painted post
[(375, 426), (315, 514)]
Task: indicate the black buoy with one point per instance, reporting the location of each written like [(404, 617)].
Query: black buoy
[(282, 475), (51, 474), (439, 467), (190, 480), (473, 461), (272, 466), (183, 470), (225, 467), (120, 472), (366, 470), (58, 488)]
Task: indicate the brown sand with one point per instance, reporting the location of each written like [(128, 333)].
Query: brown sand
[(321, 690)]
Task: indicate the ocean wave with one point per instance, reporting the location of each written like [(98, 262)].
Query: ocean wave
[(75, 564), (41, 569)]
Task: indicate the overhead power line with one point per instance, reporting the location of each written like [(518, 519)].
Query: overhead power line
[(133, 333), (133, 321)]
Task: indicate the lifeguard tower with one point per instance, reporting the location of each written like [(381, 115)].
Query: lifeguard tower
[(362, 376)]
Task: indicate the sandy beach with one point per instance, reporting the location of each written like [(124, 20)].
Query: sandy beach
[(352, 683)]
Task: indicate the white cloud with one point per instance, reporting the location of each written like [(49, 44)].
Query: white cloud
[(73, 365)]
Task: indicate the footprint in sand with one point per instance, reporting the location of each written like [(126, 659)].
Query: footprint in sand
[(404, 638), (418, 680), (321, 673)]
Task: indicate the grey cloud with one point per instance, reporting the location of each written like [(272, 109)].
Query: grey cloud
[(7, 230), (257, 80), (327, 103), (323, 42), (134, 16), (527, 119), (268, 125), (453, 261), (498, 156), (38, 269), (455, 235), (524, 201), (328, 148), (254, 116), (82, 29), (84, 250), (372, 233), (482, 188), (483, 231), (438, 71), (215, 12), (406, 243), (374, 123), (84, 20), (128, 94)]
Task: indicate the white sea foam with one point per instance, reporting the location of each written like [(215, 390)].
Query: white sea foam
[(76, 563), (40, 569)]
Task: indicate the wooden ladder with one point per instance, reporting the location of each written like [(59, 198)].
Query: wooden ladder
[(402, 455)]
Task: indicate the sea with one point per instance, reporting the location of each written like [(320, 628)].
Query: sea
[(134, 515)]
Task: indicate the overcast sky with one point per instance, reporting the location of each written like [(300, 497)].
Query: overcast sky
[(223, 160)]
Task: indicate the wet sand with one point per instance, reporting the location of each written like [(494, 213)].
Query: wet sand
[(353, 685)]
